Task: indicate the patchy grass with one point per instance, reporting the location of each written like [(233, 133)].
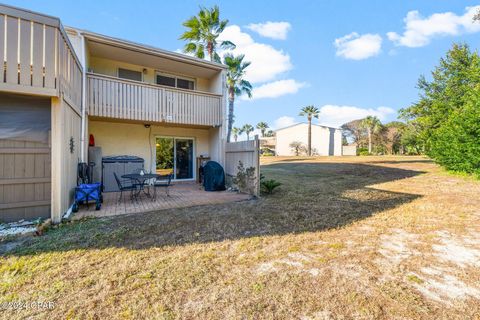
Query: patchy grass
[(415, 278), (344, 237)]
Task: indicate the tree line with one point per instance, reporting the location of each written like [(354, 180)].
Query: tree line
[(447, 115), (373, 137), (443, 124)]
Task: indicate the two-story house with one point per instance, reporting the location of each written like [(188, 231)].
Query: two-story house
[(164, 107), (59, 86)]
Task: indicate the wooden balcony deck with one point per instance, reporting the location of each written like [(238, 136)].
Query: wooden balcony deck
[(110, 97), (38, 56), (182, 195)]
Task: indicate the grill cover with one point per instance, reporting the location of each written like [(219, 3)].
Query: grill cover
[(213, 176)]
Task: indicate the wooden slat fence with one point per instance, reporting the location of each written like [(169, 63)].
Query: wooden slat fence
[(248, 152), (111, 97), (24, 180)]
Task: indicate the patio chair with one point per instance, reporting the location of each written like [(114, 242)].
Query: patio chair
[(164, 183), (124, 185)]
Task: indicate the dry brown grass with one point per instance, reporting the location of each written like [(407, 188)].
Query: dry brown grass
[(343, 238)]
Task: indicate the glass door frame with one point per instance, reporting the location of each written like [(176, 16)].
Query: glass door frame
[(194, 147)]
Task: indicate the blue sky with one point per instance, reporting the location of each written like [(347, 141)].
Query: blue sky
[(349, 58)]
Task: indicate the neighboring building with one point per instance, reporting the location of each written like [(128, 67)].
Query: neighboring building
[(326, 141), (59, 86)]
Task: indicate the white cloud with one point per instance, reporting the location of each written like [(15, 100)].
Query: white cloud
[(283, 122), (419, 31), (358, 47), (335, 116), (266, 61), (276, 89), (269, 29)]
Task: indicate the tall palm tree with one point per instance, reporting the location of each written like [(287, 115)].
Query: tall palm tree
[(236, 84), (235, 132), (373, 125), (262, 126), (247, 129), (203, 31), (309, 112)]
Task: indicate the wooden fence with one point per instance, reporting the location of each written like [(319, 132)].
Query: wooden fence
[(112, 97), (247, 152), (37, 56), (24, 180)]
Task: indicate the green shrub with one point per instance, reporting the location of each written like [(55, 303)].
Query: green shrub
[(245, 178), (266, 152), (456, 144), (363, 152), (447, 115), (379, 149), (268, 186)]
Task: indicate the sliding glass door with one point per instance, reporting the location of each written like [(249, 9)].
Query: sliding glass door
[(183, 159), (175, 155)]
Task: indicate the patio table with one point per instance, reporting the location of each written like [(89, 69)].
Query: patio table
[(140, 180)]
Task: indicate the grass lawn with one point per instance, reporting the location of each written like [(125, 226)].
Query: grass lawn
[(343, 238)]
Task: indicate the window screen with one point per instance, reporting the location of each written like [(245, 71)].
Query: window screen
[(129, 74), (185, 84), (165, 81)]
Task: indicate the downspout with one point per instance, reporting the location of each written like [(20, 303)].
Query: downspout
[(84, 94)]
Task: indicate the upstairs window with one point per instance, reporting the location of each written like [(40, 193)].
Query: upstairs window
[(176, 82), (129, 74), (185, 84), (165, 81)]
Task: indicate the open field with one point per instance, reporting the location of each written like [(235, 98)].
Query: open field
[(343, 238)]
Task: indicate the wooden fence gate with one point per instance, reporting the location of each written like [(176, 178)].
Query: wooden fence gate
[(24, 180)]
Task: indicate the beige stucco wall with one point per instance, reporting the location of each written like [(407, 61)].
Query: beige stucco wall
[(110, 68), (116, 138), (65, 127), (322, 142)]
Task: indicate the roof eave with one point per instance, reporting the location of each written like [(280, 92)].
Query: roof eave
[(149, 49)]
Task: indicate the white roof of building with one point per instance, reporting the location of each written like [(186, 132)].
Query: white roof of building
[(304, 123)]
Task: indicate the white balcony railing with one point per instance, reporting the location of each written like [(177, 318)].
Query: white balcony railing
[(110, 97)]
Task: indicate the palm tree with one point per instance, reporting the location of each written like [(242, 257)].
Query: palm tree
[(270, 133), (262, 126), (203, 31), (236, 84), (373, 125), (309, 112), (247, 128), (235, 132)]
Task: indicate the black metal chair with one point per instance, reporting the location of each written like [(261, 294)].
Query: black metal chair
[(124, 185), (166, 182)]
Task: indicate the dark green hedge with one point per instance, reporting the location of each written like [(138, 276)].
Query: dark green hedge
[(448, 111)]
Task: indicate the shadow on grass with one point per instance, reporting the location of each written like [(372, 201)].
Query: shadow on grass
[(368, 159), (404, 161), (313, 197)]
